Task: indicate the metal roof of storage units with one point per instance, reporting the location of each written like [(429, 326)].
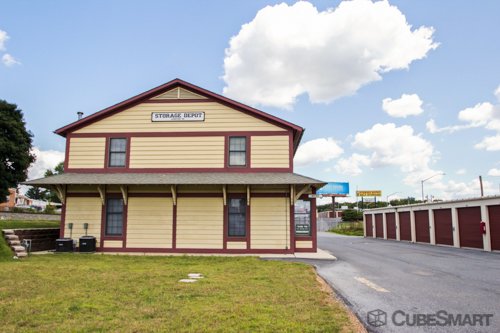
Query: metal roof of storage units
[(202, 178)]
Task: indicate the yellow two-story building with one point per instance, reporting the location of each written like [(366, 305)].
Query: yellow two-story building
[(184, 170)]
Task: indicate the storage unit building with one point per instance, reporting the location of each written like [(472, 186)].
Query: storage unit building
[(467, 223), (182, 169)]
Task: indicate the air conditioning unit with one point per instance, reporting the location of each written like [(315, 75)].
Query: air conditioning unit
[(87, 244), (64, 245)]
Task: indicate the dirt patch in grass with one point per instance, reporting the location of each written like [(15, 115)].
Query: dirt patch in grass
[(99, 293)]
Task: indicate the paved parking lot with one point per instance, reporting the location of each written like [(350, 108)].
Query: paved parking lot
[(417, 286)]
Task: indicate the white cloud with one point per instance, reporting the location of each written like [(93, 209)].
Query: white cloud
[(485, 115), (432, 127), (9, 60), (3, 38), (317, 150), (494, 172), (393, 146), (407, 105), (456, 190), (351, 166), (478, 115), (288, 50), (45, 159), (461, 171), (489, 143)]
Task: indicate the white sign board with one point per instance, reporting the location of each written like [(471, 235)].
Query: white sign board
[(177, 116)]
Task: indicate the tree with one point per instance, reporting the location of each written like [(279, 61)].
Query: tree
[(51, 195), (15, 148), (36, 193)]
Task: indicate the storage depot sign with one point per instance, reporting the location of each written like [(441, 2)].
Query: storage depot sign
[(177, 116), (368, 193)]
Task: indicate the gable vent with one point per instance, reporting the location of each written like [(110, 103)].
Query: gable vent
[(179, 93)]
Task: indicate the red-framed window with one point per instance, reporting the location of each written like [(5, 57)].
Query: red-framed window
[(237, 151)]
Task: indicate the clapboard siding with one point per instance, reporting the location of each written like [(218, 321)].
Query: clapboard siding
[(80, 211), (269, 228), (270, 151), (149, 223), (200, 223), (177, 152), (217, 118), (86, 152)]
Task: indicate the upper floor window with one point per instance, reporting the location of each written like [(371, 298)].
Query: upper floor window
[(117, 152), (237, 151)]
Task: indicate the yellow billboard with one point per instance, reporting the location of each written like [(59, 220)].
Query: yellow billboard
[(368, 193)]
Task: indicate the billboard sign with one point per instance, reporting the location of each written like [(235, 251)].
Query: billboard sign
[(334, 189), (369, 193)]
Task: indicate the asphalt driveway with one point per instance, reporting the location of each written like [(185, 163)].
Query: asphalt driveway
[(421, 288)]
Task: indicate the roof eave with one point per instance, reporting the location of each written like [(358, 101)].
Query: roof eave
[(63, 131)]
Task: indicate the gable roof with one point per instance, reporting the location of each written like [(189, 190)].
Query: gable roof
[(296, 130)]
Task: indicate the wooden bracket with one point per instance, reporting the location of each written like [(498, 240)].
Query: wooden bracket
[(224, 194), (124, 190), (174, 194), (248, 195), (306, 187), (292, 195), (102, 193), (61, 193)]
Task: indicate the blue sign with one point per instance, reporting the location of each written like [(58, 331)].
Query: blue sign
[(334, 188)]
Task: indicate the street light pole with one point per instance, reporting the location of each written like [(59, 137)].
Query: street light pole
[(426, 179), (390, 196)]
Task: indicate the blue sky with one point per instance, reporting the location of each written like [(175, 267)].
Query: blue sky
[(292, 60)]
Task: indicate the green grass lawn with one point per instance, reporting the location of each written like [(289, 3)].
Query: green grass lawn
[(349, 228), (105, 293), (5, 251)]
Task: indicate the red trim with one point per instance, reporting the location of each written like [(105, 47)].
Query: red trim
[(176, 170), (181, 195), (305, 250), (290, 150), (129, 135), (178, 134), (104, 237), (63, 221), (270, 195), (292, 227), (179, 100), (188, 250), (63, 131), (313, 221), (66, 155), (174, 226), (82, 195), (124, 227), (248, 163), (249, 220), (150, 195), (199, 195), (225, 228), (226, 237)]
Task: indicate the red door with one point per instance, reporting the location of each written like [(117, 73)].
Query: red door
[(390, 219), (494, 213), (443, 226), (379, 226), (405, 226), (422, 226), (468, 225), (369, 225)]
